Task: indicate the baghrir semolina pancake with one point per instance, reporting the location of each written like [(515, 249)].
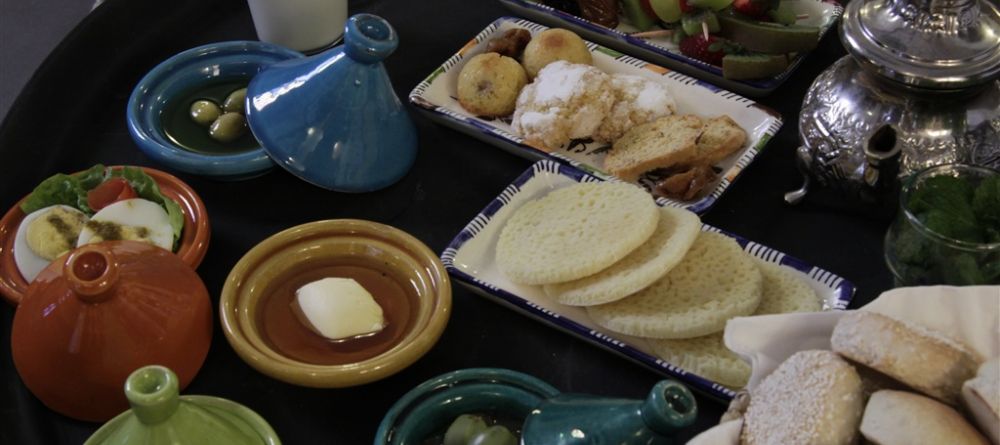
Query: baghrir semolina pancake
[(575, 231), (674, 235), (714, 282), (784, 292), (706, 356)]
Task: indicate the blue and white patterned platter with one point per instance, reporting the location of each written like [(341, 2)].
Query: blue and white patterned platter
[(436, 97), (470, 259), (821, 13)]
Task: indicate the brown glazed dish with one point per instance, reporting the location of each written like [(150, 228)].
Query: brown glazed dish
[(102, 311), (405, 277), (191, 249)]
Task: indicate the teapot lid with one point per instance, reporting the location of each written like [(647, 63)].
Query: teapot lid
[(934, 44)]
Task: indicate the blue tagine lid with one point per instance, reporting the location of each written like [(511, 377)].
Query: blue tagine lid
[(333, 119)]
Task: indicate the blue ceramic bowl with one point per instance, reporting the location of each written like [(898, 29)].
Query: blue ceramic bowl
[(183, 73), (433, 405)]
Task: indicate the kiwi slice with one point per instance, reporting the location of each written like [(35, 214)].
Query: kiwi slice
[(691, 23), (783, 14), (770, 38), (636, 15), (715, 5), (753, 66)]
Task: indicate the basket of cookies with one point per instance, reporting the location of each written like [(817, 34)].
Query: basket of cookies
[(917, 365)]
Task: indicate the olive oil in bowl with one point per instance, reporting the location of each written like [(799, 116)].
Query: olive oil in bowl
[(181, 129)]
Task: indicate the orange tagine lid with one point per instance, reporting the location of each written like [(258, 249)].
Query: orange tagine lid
[(99, 313)]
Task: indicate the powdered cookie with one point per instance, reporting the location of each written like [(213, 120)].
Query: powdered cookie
[(706, 356), (575, 231), (813, 397), (676, 231), (566, 101), (714, 282), (922, 359), (637, 100), (784, 291), (905, 418), (982, 398)]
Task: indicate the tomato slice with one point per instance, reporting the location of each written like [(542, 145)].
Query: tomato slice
[(110, 191)]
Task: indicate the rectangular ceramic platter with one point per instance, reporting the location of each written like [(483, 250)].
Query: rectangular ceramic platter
[(436, 96), (470, 259), (821, 13)]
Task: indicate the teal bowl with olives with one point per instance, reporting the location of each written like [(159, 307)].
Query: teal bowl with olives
[(189, 112), (498, 399)]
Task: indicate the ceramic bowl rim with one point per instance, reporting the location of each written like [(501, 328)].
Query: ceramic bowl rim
[(13, 286), (300, 373), (257, 423), (154, 145), (448, 381)]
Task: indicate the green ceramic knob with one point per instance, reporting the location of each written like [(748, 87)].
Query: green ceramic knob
[(159, 416)]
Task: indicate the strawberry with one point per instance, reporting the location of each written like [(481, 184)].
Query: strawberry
[(708, 51), (754, 8), (685, 7)]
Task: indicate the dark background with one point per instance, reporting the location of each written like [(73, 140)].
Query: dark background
[(70, 115)]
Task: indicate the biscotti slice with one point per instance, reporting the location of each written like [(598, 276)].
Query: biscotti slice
[(721, 137), (665, 142), (813, 397), (575, 231), (906, 418), (918, 357)]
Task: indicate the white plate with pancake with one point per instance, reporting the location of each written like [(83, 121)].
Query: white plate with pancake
[(436, 97), (470, 258)]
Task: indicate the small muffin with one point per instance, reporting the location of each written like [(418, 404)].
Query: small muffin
[(489, 83), (552, 45)]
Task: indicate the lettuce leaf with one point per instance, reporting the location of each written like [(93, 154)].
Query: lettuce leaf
[(58, 189), (72, 190)]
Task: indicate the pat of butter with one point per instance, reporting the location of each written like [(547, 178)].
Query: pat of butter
[(339, 308)]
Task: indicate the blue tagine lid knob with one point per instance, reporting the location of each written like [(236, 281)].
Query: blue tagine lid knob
[(333, 119)]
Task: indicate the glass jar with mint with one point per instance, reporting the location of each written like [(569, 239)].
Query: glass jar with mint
[(947, 230)]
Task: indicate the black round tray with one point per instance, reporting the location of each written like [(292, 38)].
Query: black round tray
[(72, 115)]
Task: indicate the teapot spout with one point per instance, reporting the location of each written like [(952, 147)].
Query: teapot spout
[(882, 150)]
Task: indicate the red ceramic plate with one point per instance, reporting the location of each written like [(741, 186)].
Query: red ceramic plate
[(193, 243)]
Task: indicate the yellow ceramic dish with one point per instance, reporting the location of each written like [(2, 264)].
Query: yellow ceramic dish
[(310, 249)]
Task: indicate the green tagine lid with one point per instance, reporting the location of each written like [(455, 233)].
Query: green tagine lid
[(159, 416)]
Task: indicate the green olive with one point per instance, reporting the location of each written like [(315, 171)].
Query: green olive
[(204, 112), (494, 435), (463, 429), (234, 102), (228, 127)]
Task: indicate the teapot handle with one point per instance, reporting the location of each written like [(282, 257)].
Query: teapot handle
[(669, 407)]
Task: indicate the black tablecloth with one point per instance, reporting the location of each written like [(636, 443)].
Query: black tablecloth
[(72, 115)]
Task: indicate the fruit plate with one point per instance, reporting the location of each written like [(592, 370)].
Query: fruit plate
[(470, 259), (436, 96), (821, 13)]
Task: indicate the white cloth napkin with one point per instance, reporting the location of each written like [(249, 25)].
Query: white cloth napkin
[(969, 314)]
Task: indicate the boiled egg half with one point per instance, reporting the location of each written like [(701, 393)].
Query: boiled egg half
[(44, 235), (134, 219)]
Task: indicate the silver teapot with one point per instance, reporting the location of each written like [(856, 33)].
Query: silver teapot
[(918, 88)]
